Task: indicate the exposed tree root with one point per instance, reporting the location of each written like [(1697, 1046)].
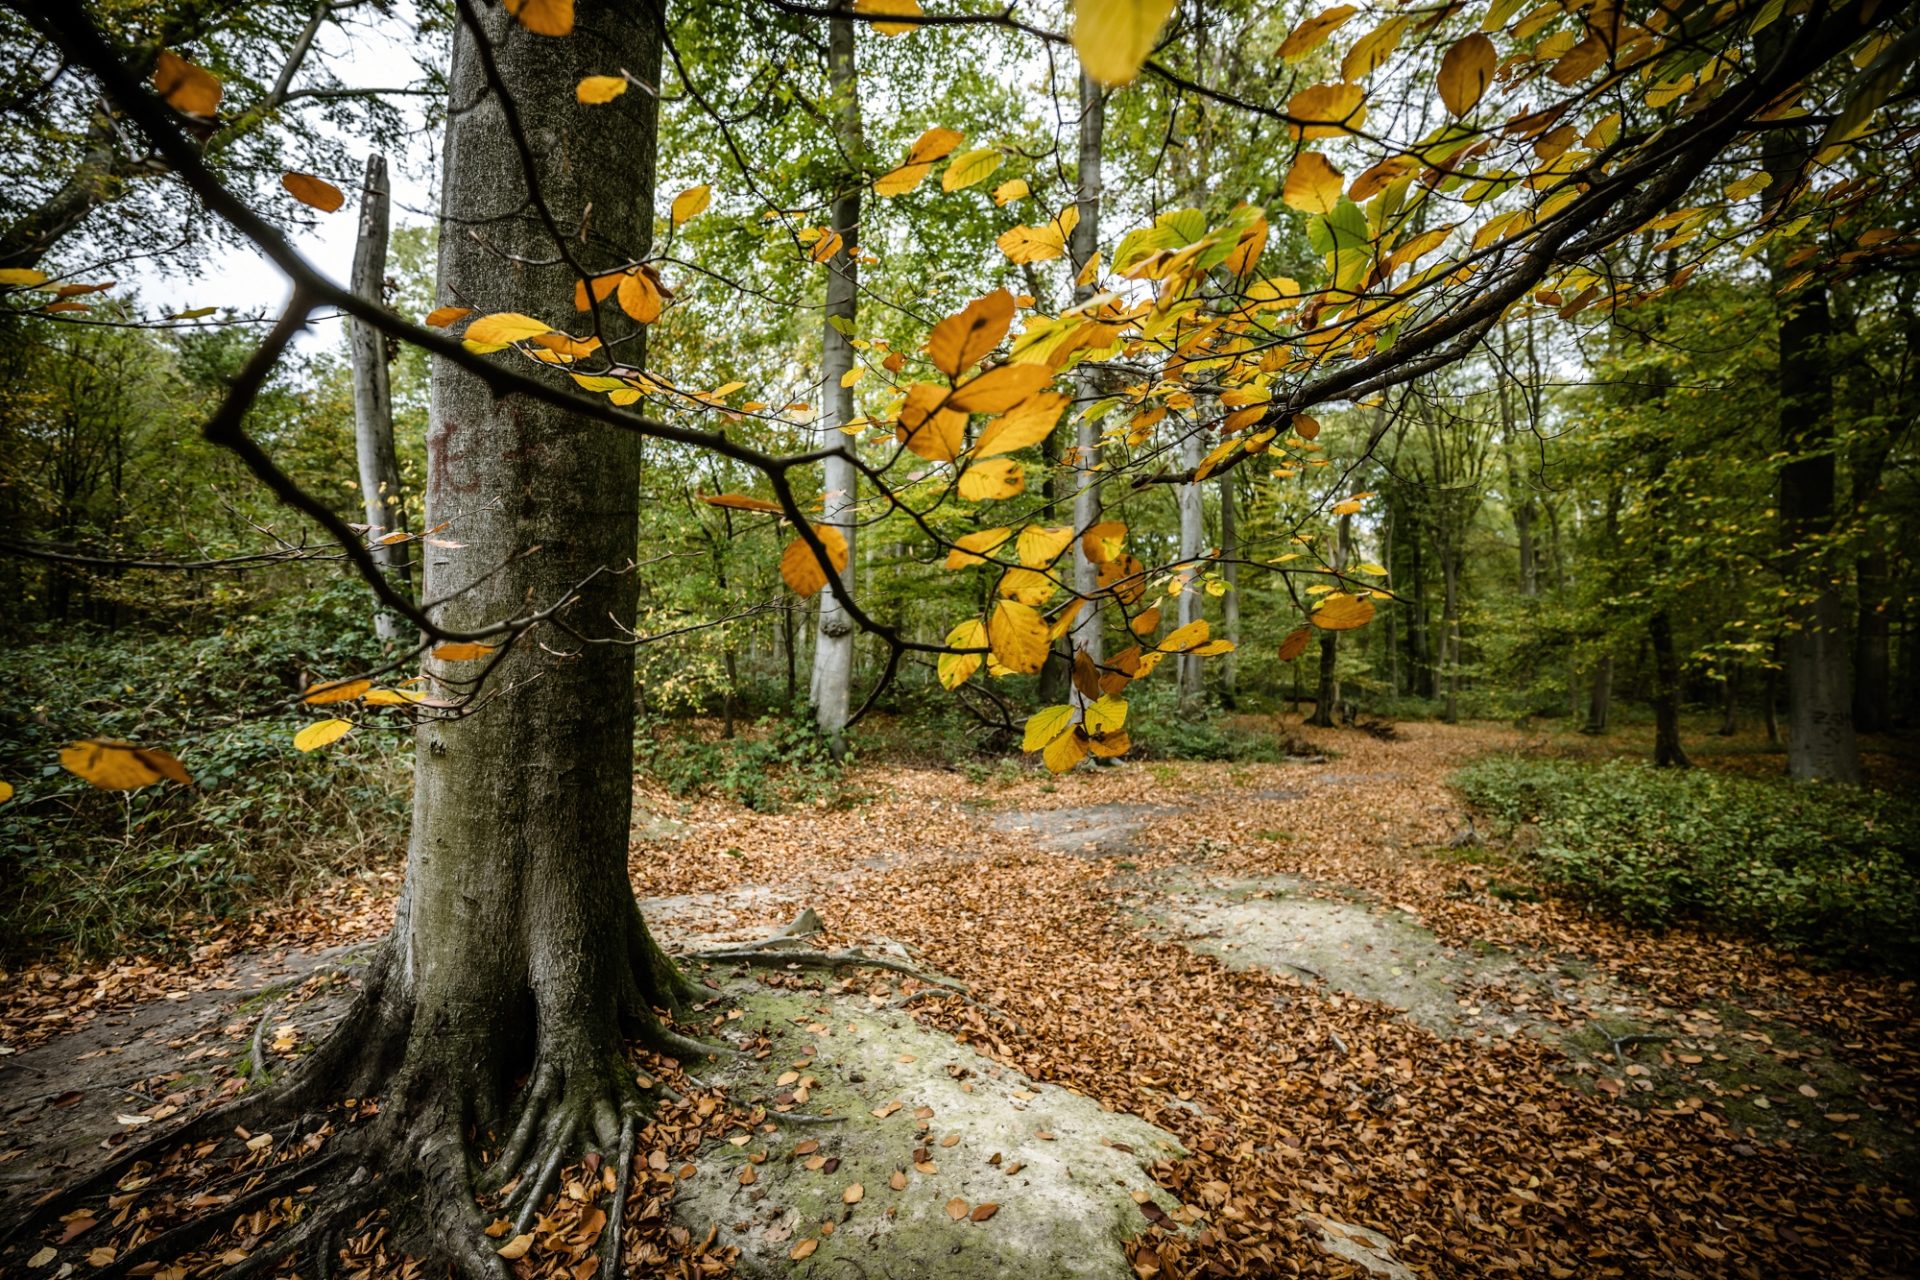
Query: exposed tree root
[(947, 993), (419, 1146), (776, 959)]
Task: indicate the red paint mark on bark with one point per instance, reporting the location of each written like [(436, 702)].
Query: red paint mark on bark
[(447, 456)]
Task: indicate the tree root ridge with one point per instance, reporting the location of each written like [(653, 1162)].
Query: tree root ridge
[(759, 955)]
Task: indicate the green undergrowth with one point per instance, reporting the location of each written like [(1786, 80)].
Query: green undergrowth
[(1828, 872), (90, 872), (778, 762)]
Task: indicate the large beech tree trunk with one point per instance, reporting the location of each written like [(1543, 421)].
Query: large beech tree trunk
[(519, 952), (380, 496), (833, 654)]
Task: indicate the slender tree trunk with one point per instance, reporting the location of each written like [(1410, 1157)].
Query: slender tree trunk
[(1730, 703), (1770, 695), (1419, 649), (380, 495), (1450, 630), (1328, 698), (1667, 751), (1229, 603), (1086, 635), (833, 650), (1600, 697), (1191, 499), (1873, 643)]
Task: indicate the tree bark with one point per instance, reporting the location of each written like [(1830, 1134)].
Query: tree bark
[(1191, 499), (1328, 697), (1820, 735), (1086, 635), (380, 494), (1230, 602), (833, 650)]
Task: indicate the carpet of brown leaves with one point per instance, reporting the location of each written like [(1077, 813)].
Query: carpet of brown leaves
[(1476, 1158), (1298, 1104)]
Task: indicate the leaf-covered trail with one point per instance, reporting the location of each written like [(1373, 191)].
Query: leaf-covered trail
[(1472, 1150), (1475, 1156)]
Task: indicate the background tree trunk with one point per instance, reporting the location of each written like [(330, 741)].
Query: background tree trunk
[(1230, 602), (1191, 501), (1325, 714), (380, 494), (833, 651), (1086, 633)]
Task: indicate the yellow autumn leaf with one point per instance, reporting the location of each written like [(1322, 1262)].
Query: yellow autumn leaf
[(964, 339), (504, 327), (1000, 388), (1295, 644), (974, 548), (1103, 541), (315, 192), (1327, 110), (936, 143), (1105, 715), (593, 91), (1114, 37), (901, 180), (6, 792), (339, 691), (1010, 190), (739, 502), (1313, 184), (1028, 424), (638, 296), (967, 169), (517, 1247), (114, 765), (1046, 724), (1017, 635), (891, 8), (1342, 612), (21, 277), (801, 568), (993, 480), (462, 651), (441, 317), (1466, 69), (955, 668), (691, 203), (1313, 32), (543, 17), (1191, 636), (1378, 571), (1064, 752), (188, 88), (393, 697), (321, 733), (1040, 547)]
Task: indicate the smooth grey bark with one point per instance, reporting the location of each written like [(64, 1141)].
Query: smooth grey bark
[(833, 651), (1086, 635), (380, 494), (1191, 501), (521, 946)]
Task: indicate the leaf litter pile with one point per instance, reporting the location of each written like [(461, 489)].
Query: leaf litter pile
[(1312, 1117)]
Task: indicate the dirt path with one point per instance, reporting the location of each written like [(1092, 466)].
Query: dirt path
[(1356, 1029), (1378, 1055)]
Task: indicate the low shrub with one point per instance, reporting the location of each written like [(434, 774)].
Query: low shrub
[(780, 760), (1830, 872), (90, 872)]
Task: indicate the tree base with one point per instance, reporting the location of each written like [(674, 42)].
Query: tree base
[(445, 1143)]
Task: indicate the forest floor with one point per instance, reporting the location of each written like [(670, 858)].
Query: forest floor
[(1324, 1034)]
